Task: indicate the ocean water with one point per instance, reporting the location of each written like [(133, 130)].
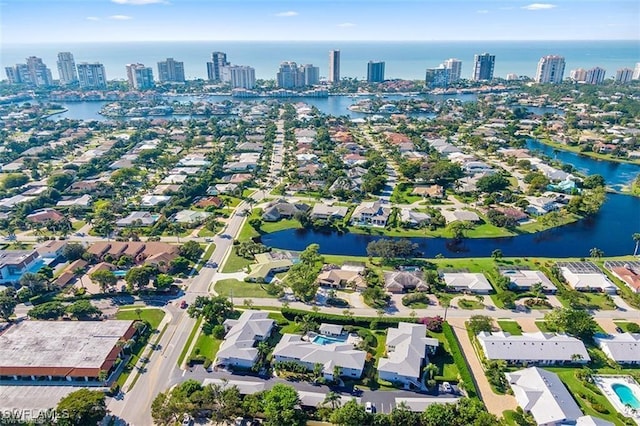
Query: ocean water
[(406, 60)]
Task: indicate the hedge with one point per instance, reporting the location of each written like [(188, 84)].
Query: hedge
[(365, 322), (461, 362)]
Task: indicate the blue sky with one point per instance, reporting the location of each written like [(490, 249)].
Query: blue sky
[(43, 21)]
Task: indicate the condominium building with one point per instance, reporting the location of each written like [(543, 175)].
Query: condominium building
[(550, 69), (636, 72), (139, 76), (214, 67), (240, 76), (34, 72), (624, 75), (375, 71), (437, 77), (310, 74), (455, 69), (67, 68), (289, 76), (483, 66), (334, 66), (92, 76), (579, 74), (595, 75), (171, 71)]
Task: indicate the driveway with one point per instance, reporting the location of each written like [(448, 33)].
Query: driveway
[(607, 325)]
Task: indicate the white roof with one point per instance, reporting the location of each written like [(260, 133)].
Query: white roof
[(592, 421), (528, 278), (541, 393), (408, 342), (331, 328), (621, 347), (239, 341), (471, 281), (591, 280), (326, 210), (532, 346), (341, 354)]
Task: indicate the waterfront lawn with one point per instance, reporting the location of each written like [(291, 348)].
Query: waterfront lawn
[(240, 289), (269, 227), (576, 149), (511, 327), (247, 232), (151, 315), (235, 263), (537, 226)]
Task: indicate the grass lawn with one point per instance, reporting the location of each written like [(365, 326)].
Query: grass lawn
[(269, 227), (240, 289), (77, 224), (469, 304), (624, 325), (235, 263), (207, 254), (152, 315), (204, 232), (447, 369), (542, 326), (247, 232), (511, 327), (206, 346), (537, 226)]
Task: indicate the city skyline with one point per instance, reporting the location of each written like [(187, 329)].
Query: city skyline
[(318, 20)]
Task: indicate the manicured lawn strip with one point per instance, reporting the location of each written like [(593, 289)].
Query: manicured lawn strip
[(187, 344), (205, 257), (268, 227), (511, 327), (536, 226), (542, 325), (624, 325), (235, 263), (206, 346), (151, 315), (239, 289), (469, 304), (460, 361), (443, 359), (78, 224)]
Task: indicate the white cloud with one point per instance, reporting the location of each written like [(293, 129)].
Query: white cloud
[(120, 17), (483, 11), (539, 6), (92, 18), (347, 25), (287, 14), (139, 2)]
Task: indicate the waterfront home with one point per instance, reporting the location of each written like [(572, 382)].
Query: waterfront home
[(542, 394), (585, 276), (329, 354), (623, 348), (325, 211), (404, 281), (412, 218), (523, 280), (460, 215), (238, 348), (267, 265), (407, 351), (335, 277), (539, 206), (533, 348), (628, 272), (138, 219), (466, 282), (371, 213), (282, 209)]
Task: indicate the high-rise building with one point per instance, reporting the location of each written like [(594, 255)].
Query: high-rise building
[(92, 76), (67, 68), (375, 71), (214, 68), (334, 66), (579, 74), (483, 67), (241, 76), (437, 77), (636, 72), (595, 75), (310, 74), (624, 75), (455, 69), (139, 76), (34, 72), (171, 71), (550, 69), (289, 76), (19, 74)]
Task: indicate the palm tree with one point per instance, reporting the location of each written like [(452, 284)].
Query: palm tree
[(596, 253), (636, 239), (332, 399), (432, 369)]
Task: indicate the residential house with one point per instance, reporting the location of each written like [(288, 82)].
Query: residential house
[(533, 348), (523, 280), (539, 206), (331, 330), (467, 282), (349, 361), (154, 200), (83, 201), (413, 219), (282, 209), (52, 249), (238, 348), (14, 263), (147, 252), (267, 265), (70, 272), (190, 217), (45, 215), (404, 281), (407, 351), (623, 348), (629, 272), (588, 280), (431, 191), (371, 213), (325, 211), (216, 202), (138, 219), (475, 167), (341, 278), (460, 215)]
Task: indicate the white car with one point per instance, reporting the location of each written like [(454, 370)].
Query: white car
[(446, 387), (369, 408)]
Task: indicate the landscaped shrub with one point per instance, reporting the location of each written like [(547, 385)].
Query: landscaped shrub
[(433, 323), (461, 363), (600, 408), (365, 322), (415, 298), (632, 327)]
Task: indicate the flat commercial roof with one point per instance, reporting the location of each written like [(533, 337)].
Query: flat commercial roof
[(59, 345)]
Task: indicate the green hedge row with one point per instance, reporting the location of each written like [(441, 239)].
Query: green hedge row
[(461, 362), (379, 323)]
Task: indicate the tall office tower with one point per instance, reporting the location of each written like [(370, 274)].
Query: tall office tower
[(483, 67), (624, 75), (579, 74), (310, 74), (289, 76), (67, 68), (550, 69), (242, 76), (437, 77), (334, 66), (636, 72), (92, 76), (375, 71), (139, 76), (171, 71), (214, 68), (595, 75), (455, 69)]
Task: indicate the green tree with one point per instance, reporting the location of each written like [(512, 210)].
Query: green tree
[(104, 278), (332, 399), (351, 414), (8, 304), (302, 276), (478, 323), (163, 281), (213, 309), (82, 407), (636, 240), (48, 310), (139, 277), (73, 251), (281, 406), (179, 265), (14, 180), (576, 322), (496, 254), (83, 309), (191, 250), (492, 183), (596, 253)]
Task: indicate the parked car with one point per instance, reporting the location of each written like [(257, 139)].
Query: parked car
[(369, 407), (619, 330), (226, 236), (183, 304), (446, 387), (208, 240), (186, 420)]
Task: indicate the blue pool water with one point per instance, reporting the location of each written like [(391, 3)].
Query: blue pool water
[(626, 395), (324, 340), (120, 274)]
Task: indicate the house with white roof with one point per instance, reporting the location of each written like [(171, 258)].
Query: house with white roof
[(154, 200), (332, 330), (539, 206), (371, 213), (467, 282), (138, 219), (533, 348), (588, 281), (413, 218), (523, 280), (407, 349), (541, 393), (237, 349), (325, 211), (623, 348), (350, 361)]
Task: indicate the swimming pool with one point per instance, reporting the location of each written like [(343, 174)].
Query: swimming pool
[(120, 274), (326, 340), (626, 395)]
